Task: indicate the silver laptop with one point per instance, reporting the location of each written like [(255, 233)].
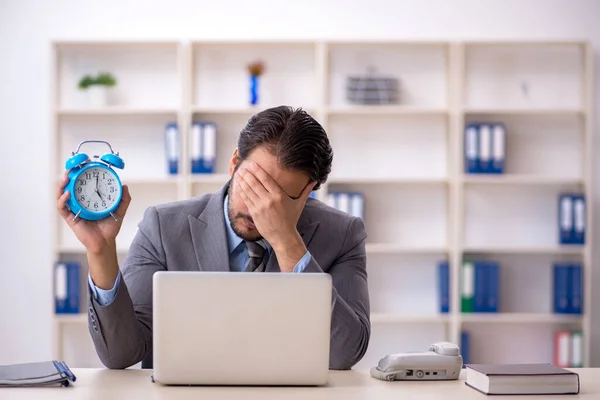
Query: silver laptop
[(237, 328)]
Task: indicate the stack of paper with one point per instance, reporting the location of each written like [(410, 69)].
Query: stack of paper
[(46, 373)]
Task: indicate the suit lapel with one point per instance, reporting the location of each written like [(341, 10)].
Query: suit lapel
[(306, 230), (208, 235)]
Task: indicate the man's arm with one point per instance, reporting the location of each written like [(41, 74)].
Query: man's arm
[(122, 329), (350, 319)]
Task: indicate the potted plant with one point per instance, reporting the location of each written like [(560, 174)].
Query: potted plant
[(97, 87)]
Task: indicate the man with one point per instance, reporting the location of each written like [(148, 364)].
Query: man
[(261, 220)]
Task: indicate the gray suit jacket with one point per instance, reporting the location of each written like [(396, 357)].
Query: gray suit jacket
[(190, 235)]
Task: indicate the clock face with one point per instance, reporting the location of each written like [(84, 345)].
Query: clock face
[(97, 189)]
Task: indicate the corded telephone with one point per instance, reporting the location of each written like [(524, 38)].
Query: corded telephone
[(441, 362)]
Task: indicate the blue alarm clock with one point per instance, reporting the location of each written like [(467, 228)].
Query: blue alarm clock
[(95, 188)]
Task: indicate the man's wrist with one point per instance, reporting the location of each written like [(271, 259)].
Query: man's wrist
[(289, 250)]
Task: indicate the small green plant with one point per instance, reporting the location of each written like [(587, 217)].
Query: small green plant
[(103, 78)]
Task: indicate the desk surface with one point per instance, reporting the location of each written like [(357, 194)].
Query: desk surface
[(104, 384)]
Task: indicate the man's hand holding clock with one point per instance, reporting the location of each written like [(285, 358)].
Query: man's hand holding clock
[(98, 237)]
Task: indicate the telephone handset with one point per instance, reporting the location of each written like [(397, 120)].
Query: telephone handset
[(441, 362)]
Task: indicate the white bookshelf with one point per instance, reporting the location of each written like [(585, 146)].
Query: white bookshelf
[(407, 159)]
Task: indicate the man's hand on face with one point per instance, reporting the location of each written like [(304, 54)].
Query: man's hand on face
[(274, 213)]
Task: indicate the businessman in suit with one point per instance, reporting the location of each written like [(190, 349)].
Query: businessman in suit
[(261, 220)]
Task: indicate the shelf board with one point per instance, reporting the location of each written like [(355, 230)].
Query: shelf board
[(387, 110), (117, 110), (388, 180), (210, 178), (520, 318), (80, 318), (515, 179), (475, 111), (234, 110), (391, 248), (386, 318), (532, 250)]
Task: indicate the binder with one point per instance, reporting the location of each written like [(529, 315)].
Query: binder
[(498, 148), (444, 286), (66, 287), (485, 148), (480, 290), (576, 349), (472, 149), (467, 287), (579, 220), (343, 202), (172, 147), (34, 374), (357, 205), (196, 147), (566, 219), (561, 287), (562, 349), (209, 147), (576, 289), (492, 297), (332, 200)]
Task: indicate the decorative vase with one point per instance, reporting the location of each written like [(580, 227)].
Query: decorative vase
[(254, 80), (98, 95)]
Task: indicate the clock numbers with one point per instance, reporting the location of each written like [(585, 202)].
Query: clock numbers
[(96, 189)]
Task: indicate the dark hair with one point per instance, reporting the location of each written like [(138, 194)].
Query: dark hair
[(297, 140)]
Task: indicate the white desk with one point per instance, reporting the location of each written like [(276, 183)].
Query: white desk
[(103, 384)]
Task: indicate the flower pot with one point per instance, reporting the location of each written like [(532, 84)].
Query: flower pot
[(98, 95)]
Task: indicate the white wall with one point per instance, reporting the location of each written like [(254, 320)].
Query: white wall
[(28, 26)]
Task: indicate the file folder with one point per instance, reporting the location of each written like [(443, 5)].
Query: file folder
[(46, 373), (498, 148), (472, 149), (562, 349), (468, 287), (444, 286), (576, 289), (196, 147), (566, 228), (172, 147), (209, 147), (561, 288), (485, 148), (492, 297), (576, 349), (343, 202), (579, 221), (481, 284), (357, 202), (465, 347), (66, 287)]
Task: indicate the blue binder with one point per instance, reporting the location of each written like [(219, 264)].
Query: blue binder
[(196, 147), (498, 148), (203, 147), (576, 289), (172, 147), (66, 287), (472, 148), (566, 222), (444, 286), (561, 287), (485, 148), (481, 283), (579, 218), (492, 299)]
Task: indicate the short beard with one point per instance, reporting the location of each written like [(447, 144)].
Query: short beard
[(234, 218)]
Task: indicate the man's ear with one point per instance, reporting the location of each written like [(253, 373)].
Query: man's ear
[(235, 159)]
